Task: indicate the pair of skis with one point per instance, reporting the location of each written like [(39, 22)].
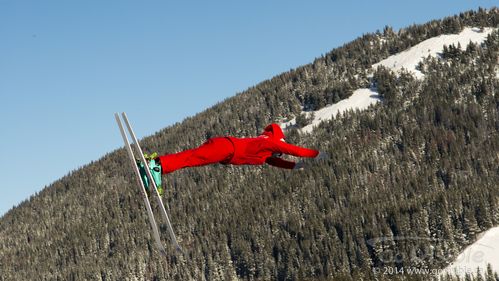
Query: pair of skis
[(141, 157)]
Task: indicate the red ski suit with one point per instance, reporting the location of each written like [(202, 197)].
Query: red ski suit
[(238, 151)]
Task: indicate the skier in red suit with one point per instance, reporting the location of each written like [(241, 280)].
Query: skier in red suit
[(265, 148)]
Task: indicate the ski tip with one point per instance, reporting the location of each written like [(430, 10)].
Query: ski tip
[(163, 252), (179, 249)]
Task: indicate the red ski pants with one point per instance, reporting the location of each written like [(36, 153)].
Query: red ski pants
[(214, 150)]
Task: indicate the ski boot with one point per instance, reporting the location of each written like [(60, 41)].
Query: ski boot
[(155, 169)]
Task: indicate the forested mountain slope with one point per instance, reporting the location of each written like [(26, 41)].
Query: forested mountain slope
[(409, 181)]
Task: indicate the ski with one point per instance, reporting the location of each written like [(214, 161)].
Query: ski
[(150, 214)]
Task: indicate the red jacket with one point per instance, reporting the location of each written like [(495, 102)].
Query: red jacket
[(262, 149)]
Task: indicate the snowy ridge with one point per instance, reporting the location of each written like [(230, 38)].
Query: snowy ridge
[(360, 99), (410, 58), (484, 251)]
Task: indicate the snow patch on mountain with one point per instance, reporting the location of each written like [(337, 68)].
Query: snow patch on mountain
[(410, 58), (360, 99), (484, 251)]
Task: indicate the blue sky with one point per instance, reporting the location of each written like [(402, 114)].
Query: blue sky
[(67, 66)]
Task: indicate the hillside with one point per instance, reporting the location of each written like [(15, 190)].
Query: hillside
[(410, 181)]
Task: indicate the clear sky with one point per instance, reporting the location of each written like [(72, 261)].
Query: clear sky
[(67, 66)]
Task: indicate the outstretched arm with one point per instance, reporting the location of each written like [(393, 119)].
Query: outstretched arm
[(281, 163), (294, 150)]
